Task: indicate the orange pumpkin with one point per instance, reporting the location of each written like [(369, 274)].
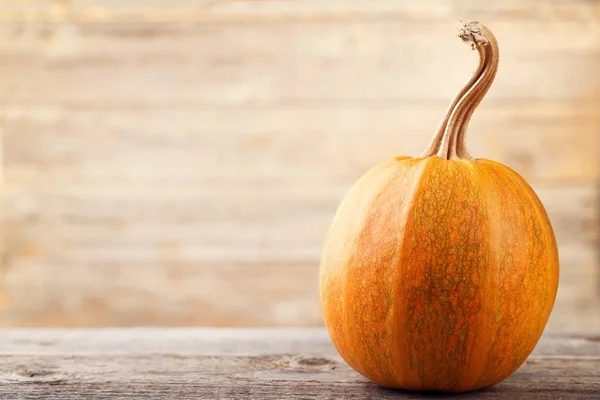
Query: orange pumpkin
[(440, 271)]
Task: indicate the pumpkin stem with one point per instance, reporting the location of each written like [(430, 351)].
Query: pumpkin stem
[(449, 141)]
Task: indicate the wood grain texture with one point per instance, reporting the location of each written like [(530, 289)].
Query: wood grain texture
[(253, 364), (50, 57), (178, 163), (226, 341), (310, 10), (546, 142), (207, 65), (130, 260)]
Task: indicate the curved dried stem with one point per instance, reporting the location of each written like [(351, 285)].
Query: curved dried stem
[(449, 141)]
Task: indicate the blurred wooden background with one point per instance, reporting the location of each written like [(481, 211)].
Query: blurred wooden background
[(179, 162)]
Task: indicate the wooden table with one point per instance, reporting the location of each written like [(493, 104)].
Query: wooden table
[(247, 364)]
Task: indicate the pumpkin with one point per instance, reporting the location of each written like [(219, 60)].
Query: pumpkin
[(439, 272)]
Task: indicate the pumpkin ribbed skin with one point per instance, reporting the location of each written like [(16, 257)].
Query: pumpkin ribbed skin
[(438, 274)]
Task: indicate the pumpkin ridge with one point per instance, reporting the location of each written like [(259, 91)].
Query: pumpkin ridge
[(340, 332), (349, 308), (340, 302), (394, 268), (437, 267), (535, 201), (474, 371), (402, 349), (538, 262)]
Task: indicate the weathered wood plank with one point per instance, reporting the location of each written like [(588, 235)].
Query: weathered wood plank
[(263, 364), (227, 341), (585, 316), (545, 142), (242, 220), (249, 10), (259, 377), (168, 292), (208, 65)]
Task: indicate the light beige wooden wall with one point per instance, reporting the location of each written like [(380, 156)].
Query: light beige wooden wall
[(179, 162)]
